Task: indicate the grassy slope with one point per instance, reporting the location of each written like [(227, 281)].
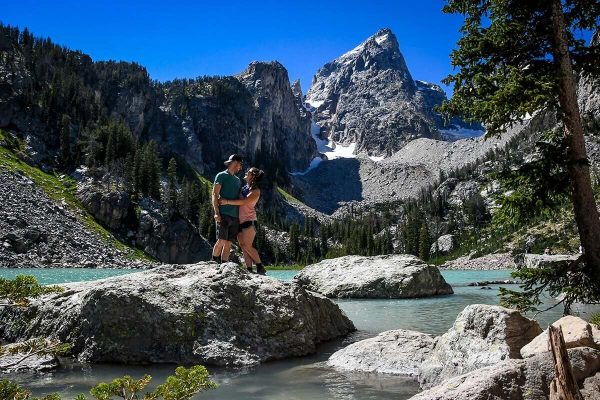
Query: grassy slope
[(62, 189), (288, 196)]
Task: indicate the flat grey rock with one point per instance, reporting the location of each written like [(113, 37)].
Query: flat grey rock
[(397, 352), (201, 313), (388, 276)]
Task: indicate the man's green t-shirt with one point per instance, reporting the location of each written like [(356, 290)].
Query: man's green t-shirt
[(230, 190)]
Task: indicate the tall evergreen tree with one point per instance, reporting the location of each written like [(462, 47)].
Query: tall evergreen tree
[(65, 142), (323, 239), (294, 247), (172, 184), (518, 57), (424, 242)]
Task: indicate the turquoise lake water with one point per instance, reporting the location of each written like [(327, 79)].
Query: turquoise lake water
[(300, 378)]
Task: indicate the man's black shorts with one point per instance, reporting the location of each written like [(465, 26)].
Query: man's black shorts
[(228, 228)]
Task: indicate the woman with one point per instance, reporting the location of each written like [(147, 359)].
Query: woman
[(247, 202)]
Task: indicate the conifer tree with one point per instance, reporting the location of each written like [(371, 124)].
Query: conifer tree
[(323, 239), (294, 247), (424, 242), (172, 184), (517, 57), (65, 142)]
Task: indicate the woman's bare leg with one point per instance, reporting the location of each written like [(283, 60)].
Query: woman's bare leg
[(242, 241), (248, 236)]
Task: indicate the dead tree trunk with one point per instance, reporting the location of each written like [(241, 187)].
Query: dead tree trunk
[(563, 386)]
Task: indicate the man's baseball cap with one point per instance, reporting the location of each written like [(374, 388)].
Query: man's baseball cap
[(232, 158)]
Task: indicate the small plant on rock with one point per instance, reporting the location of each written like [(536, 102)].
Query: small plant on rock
[(18, 291)]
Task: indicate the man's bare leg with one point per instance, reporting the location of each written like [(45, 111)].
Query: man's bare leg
[(218, 249), (226, 251)]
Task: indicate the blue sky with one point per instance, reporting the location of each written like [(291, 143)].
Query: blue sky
[(185, 39)]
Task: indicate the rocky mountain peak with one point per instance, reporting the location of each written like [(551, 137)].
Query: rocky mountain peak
[(264, 75), (379, 52), (367, 96)]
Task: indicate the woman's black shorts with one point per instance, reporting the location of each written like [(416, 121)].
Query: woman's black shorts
[(248, 224)]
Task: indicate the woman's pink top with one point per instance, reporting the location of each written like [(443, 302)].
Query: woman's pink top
[(247, 211)]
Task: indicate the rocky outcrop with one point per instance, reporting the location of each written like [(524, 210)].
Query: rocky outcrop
[(282, 128), (397, 352), (487, 262), (514, 379), (481, 336), (170, 239), (443, 245), (36, 231), (202, 313), (115, 210), (557, 261), (167, 237), (576, 331), (390, 276), (588, 88)]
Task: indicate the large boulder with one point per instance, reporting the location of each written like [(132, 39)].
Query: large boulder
[(527, 379), (576, 331), (202, 313), (482, 335), (170, 239), (397, 352), (389, 276), (113, 209)]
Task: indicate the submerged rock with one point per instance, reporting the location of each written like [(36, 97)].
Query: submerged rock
[(482, 335), (389, 276), (527, 379), (397, 352), (20, 362), (201, 313)]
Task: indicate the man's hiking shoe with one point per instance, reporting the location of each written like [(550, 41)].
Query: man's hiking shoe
[(261, 271), (249, 269)]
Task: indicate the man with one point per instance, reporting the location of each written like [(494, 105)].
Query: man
[(227, 186)]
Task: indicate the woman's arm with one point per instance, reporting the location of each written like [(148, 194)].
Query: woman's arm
[(252, 197)]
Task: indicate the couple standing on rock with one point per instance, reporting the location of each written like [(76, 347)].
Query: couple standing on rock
[(235, 213)]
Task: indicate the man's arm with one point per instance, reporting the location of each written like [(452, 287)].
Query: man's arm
[(215, 201), (252, 196)]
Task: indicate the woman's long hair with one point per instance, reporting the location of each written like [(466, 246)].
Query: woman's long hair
[(257, 176)]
